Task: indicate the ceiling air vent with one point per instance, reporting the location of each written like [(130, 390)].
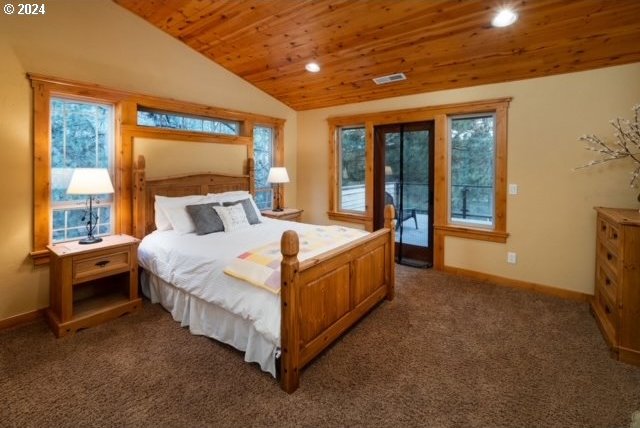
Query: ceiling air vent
[(390, 78)]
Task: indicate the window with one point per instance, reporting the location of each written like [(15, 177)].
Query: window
[(470, 169), (264, 159), (82, 136), (161, 119), (472, 172), (85, 125), (352, 168)]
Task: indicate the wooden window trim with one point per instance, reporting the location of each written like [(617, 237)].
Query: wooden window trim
[(439, 114), (278, 152), (125, 129)]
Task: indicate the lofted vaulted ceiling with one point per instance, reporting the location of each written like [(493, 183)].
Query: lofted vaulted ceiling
[(437, 44)]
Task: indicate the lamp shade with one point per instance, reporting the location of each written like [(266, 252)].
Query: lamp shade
[(278, 175), (90, 181)]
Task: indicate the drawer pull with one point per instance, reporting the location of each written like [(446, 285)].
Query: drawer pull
[(615, 235), (607, 310), (609, 256), (102, 263), (607, 281), (603, 227)]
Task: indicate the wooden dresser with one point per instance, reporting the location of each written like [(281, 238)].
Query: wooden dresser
[(616, 303)]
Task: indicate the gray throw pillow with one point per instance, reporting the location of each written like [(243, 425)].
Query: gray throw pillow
[(252, 216), (205, 218)]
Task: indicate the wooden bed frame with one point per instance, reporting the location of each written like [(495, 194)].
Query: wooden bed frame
[(321, 297)]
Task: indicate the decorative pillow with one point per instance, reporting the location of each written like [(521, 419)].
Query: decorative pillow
[(205, 219), (252, 216), (232, 217), (164, 202), (233, 196)]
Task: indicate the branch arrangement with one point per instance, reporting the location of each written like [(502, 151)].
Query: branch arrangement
[(626, 145)]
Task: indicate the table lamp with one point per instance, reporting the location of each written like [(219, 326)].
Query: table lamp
[(90, 181), (278, 175)]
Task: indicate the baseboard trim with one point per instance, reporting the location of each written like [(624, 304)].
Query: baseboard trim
[(521, 285), (21, 319)]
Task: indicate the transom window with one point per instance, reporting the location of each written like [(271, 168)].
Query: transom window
[(183, 122), (82, 136)]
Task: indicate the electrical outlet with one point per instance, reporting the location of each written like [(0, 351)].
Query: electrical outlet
[(512, 257), (513, 189)]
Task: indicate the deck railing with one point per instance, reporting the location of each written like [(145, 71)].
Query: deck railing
[(469, 202)]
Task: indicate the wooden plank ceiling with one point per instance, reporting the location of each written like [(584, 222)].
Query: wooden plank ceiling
[(438, 44)]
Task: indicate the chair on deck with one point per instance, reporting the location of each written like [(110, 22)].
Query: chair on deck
[(401, 216)]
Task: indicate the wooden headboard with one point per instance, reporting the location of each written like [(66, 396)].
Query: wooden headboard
[(144, 191)]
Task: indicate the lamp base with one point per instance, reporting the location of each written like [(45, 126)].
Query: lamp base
[(89, 240), (278, 210)]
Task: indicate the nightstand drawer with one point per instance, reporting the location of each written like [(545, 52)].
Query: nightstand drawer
[(102, 265)]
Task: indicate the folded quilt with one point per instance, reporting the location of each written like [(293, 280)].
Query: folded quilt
[(261, 266)]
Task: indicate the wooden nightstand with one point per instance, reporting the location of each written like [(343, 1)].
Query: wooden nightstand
[(291, 214), (90, 284)]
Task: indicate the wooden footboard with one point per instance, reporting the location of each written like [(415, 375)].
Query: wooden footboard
[(324, 296)]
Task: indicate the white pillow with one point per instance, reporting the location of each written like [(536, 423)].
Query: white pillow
[(233, 217), (180, 219), (233, 196), (164, 202), (230, 194)]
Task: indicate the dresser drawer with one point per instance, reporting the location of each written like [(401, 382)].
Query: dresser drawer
[(609, 234), (101, 265), (607, 282), (608, 258), (608, 311)]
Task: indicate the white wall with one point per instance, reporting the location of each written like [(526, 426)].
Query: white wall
[(551, 220)]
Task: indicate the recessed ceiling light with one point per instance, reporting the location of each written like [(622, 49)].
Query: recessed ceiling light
[(504, 18), (312, 67)]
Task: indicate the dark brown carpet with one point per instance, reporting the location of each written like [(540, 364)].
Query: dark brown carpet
[(447, 352)]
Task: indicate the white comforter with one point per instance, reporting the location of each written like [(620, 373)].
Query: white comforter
[(194, 264)]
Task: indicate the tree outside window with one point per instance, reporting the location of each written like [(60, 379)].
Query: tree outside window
[(263, 154), (81, 137), (352, 169), (472, 145)]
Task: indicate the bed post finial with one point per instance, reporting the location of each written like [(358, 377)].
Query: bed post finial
[(289, 333), (390, 223)]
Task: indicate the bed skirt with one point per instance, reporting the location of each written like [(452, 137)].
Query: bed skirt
[(207, 319)]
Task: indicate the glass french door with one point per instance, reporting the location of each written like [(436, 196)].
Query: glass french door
[(403, 176)]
